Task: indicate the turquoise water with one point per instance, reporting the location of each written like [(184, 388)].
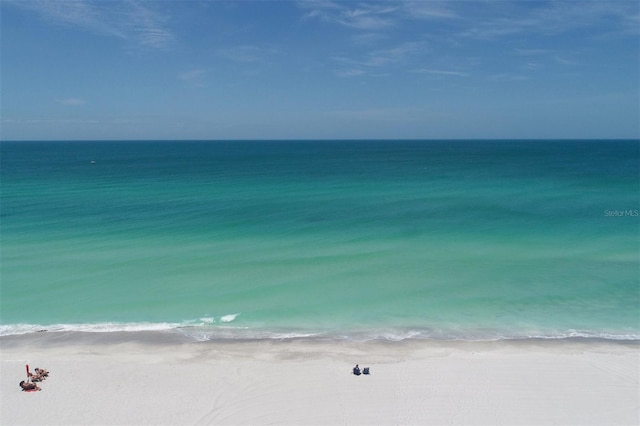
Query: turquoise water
[(348, 239)]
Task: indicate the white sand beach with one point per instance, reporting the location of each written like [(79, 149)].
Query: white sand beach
[(95, 381)]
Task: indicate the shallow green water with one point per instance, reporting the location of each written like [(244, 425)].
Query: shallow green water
[(386, 239)]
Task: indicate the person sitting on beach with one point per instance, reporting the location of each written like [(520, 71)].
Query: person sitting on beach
[(356, 370), (40, 375), (35, 377), (42, 372), (26, 386)]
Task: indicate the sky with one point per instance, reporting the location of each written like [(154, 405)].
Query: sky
[(468, 69)]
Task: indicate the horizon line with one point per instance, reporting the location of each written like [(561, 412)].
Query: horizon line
[(321, 139)]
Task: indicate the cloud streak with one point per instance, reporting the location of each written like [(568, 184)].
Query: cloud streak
[(130, 20), (448, 34), (441, 72), (363, 16), (508, 18), (373, 16), (480, 19), (192, 75), (379, 58)]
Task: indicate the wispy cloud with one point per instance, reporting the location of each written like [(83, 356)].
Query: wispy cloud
[(194, 78), (563, 61), (441, 72), (148, 26), (350, 72), (192, 75), (481, 19), (368, 17), (374, 23), (428, 10), (393, 54), (507, 18), (130, 20), (378, 58), (376, 15), (362, 16), (544, 55), (445, 28)]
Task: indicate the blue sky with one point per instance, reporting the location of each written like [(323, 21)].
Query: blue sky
[(319, 69)]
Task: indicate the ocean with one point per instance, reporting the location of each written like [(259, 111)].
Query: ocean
[(368, 239)]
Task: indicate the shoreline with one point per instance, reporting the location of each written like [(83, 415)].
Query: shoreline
[(178, 337), (174, 333), (106, 379)]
